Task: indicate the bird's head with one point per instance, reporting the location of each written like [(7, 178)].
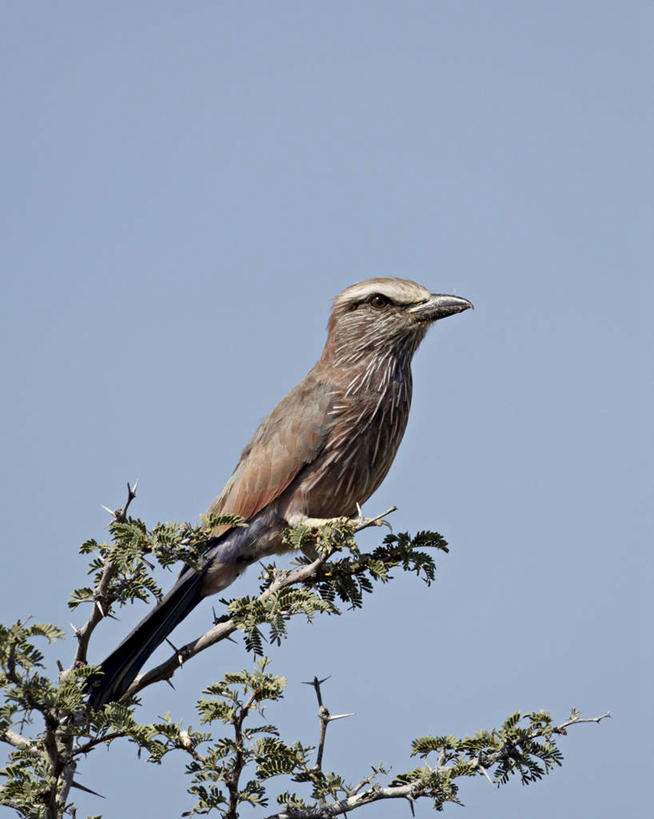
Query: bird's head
[(384, 315)]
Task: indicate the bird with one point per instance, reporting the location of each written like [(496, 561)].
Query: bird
[(319, 455)]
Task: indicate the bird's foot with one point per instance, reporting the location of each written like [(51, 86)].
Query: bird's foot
[(361, 522)]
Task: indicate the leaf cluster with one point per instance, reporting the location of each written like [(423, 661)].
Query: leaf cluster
[(524, 745), (217, 773), (28, 692), (344, 578), (348, 578), (126, 558)]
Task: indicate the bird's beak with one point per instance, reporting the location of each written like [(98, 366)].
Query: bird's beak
[(438, 307)]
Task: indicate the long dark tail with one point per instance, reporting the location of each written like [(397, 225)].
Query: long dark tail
[(121, 667), (234, 550)]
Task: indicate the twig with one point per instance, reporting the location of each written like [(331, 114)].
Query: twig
[(99, 740), (366, 781), (560, 729), (185, 744), (120, 515), (232, 779), (97, 612), (323, 718)]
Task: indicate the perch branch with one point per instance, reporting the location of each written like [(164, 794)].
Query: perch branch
[(224, 630)]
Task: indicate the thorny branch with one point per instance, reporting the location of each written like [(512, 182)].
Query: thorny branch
[(232, 779), (99, 594), (57, 744), (412, 790), (60, 748), (222, 631), (324, 718)]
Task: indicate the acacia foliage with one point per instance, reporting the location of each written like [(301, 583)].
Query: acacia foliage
[(234, 754)]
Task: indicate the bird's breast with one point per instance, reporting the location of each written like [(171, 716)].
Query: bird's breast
[(364, 432)]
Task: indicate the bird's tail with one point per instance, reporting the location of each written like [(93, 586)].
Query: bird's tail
[(226, 556), (121, 667)]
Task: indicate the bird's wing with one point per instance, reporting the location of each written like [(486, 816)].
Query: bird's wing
[(291, 436)]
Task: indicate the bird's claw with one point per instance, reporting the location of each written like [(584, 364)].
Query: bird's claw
[(362, 522)]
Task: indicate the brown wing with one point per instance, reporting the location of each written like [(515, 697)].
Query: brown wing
[(291, 437)]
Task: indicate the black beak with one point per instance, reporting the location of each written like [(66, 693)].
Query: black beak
[(438, 307)]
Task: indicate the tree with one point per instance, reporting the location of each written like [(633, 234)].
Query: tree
[(50, 729)]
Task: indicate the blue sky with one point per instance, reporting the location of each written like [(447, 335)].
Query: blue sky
[(186, 186)]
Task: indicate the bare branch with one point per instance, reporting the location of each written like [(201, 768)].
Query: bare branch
[(560, 729), (323, 718), (375, 793), (17, 740), (120, 515)]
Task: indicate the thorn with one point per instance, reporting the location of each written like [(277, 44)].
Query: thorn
[(269, 570), (59, 665), (340, 716), (100, 609), (86, 790), (411, 800), (107, 509), (485, 773), (170, 684), (76, 631), (315, 681), (180, 659)]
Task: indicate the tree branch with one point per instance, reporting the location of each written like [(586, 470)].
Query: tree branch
[(560, 729), (411, 790), (99, 593), (324, 717), (222, 631), (17, 740), (99, 740), (232, 779)]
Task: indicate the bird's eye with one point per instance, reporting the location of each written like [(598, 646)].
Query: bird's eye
[(378, 300)]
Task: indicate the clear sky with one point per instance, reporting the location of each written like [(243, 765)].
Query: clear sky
[(186, 186)]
